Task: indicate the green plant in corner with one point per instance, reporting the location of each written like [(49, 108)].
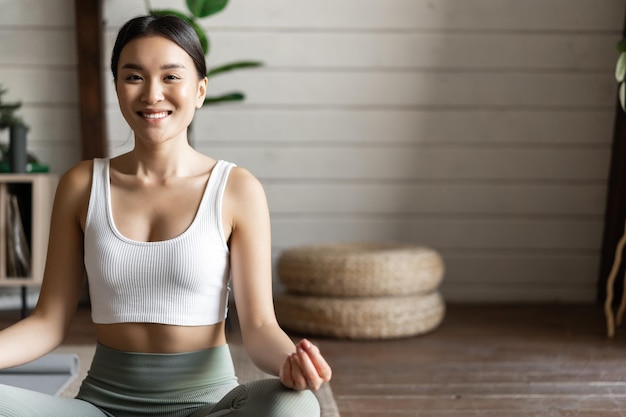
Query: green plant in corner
[(199, 9), (620, 72), (7, 113)]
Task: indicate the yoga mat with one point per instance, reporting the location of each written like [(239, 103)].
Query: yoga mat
[(51, 374)]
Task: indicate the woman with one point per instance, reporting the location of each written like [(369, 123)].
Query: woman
[(159, 231)]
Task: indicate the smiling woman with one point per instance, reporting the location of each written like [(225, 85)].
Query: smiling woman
[(161, 231)]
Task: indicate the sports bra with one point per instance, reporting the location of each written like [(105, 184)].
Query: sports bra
[(180, 281)]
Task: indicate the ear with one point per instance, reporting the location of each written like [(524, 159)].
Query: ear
[(202, 85)]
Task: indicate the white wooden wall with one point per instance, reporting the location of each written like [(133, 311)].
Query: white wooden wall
[(481, 128)]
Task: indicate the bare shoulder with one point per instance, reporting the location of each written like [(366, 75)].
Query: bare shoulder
[(242, 183), (244, 197), (74, 188), (77, 179)]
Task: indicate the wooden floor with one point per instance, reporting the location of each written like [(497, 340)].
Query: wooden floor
[(488, 361)]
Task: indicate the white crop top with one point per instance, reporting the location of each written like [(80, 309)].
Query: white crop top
[(180, 281)]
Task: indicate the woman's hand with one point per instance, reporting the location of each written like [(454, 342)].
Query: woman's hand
[(305, 368)]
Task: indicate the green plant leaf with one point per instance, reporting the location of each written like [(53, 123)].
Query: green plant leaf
[(204, 39), (10, 107), (236, 96), (233, 66), (620, 67), (622, 96), (621, 45), (204, 8)]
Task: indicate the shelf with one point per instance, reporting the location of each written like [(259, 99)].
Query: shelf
[(35, 196)]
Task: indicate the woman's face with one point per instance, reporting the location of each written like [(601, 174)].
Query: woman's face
[(158, 89)]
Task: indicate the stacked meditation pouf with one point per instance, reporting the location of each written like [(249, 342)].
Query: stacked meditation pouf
[(360, 290)]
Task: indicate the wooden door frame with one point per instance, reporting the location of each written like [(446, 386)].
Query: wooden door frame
[(89, 33)]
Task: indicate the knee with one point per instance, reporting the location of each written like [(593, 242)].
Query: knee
[(308, 403), (286, 402), (13, 403)]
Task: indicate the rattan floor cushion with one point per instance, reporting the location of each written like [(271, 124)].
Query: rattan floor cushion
[(360, 269), (361, 318)]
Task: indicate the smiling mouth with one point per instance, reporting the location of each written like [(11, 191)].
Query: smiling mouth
[(158, 115)]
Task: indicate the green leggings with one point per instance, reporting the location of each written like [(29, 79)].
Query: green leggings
[(195, 384)]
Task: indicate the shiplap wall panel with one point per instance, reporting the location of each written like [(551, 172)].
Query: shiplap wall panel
[(37, 15), (435, 198), (534, 268), (42, 50), (411, 163), (41, 86), (414, 50), (518, 293), (56, 125), (481, 128), (419, 88), (527, 277), (419, 126), (461, 232)]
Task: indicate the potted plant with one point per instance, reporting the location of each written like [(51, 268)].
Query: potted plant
[(17, 156)]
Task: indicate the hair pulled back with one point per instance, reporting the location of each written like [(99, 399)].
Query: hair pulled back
[(173, 28)]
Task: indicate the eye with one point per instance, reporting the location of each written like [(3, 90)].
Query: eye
[(172, 77), (133, 78)]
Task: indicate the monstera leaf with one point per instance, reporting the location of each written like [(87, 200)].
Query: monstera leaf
[(204, 39), (205, 8)]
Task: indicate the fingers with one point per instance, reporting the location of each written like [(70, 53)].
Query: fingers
[(297, 374), (321, 366), (285, 374), (309, 371), (312, 366), (306, 368), (291, 375)]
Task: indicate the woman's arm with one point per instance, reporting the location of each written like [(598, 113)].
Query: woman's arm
[(267, 344), (46, 327)]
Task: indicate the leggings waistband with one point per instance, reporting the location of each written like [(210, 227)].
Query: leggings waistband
[(162, 371)]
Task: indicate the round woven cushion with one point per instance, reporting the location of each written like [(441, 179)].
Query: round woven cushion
[(360, 269), (361, 318)]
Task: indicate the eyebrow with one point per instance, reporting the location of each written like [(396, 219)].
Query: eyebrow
[(163, 67)]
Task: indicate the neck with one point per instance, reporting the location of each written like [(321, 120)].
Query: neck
[(161, 163)]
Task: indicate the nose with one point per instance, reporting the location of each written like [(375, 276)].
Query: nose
[(152, 92)]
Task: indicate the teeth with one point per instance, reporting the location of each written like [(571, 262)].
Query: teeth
[(155, 115)]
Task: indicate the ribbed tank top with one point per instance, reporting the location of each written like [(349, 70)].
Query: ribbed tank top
[(180, 281)]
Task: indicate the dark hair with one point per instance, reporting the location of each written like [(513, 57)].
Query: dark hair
[(170, 27)]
